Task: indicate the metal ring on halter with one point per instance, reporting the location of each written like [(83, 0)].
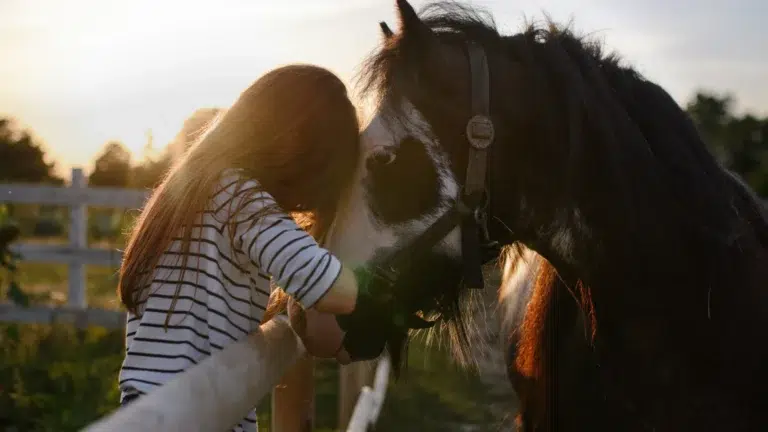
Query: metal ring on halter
[(479, 215), (480, 132), (485, 201)]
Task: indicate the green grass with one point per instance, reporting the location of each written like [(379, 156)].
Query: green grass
[(434, 394), (47, 284)]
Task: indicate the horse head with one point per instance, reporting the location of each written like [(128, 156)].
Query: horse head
[(453, 154)]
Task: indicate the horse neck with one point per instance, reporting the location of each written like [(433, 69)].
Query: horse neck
[(629, 270)]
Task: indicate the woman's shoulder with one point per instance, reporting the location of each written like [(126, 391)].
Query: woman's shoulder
[(235, 181), (237, 192)]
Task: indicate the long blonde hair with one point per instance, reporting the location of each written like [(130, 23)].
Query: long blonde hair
[(294, 130)]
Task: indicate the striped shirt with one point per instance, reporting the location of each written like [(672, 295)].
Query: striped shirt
[(224, 289)]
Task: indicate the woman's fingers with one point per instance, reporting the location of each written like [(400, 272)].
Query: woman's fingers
[(297, 318)]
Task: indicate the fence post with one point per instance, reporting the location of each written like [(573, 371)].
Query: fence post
[(368, 405), (352, 378), (293, 399), (78, 239)]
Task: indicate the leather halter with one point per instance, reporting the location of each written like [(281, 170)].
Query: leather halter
[(470, 211)]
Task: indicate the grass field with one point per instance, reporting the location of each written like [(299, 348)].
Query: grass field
[(47, 284)]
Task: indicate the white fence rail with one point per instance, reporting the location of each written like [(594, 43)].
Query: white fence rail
[(81, 318), (76, 254), (218, 392)]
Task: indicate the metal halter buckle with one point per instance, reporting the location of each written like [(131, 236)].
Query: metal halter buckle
[(480, 132)]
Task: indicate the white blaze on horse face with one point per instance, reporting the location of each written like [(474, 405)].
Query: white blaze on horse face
[(357, 234)]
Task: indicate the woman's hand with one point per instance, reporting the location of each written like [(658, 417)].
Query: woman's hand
[(320, 333), (383, 315), (356, 318)]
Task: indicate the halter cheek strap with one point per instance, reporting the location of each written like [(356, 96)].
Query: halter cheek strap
[(476, 196)]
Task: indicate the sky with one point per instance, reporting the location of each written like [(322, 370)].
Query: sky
[(82, 72)]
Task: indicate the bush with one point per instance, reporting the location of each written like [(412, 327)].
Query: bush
[(57, 378)]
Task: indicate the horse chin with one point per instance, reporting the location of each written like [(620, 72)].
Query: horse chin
[(431, 286)]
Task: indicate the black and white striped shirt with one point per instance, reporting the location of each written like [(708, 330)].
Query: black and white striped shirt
[(225, 287)]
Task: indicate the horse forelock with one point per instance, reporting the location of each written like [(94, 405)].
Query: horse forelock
[(389, 71)]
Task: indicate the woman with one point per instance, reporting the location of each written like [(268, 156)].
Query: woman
[(197, 268)]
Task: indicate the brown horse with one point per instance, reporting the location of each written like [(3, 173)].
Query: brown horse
[(651, 259)]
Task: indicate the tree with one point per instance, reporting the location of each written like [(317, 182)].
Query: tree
[(9, 233), (22, 159), (151, 171), (148, 174), (112, 167), (711, 114), (740, 143), (194, 127)]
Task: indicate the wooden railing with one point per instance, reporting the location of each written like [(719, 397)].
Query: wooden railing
[(358, 408)]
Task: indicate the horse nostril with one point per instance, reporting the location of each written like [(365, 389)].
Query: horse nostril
[(379, 158)]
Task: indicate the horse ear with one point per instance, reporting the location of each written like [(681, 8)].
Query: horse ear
[(409, 19), (411, 25), (407, 15), (419, 40), (388, 33)]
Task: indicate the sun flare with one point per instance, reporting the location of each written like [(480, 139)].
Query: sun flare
[(126, 68)]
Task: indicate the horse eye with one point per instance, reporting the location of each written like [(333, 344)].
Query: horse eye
[(386, 158), (380, 158)]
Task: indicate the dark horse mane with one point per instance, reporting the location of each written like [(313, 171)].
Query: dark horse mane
[(666, 246)]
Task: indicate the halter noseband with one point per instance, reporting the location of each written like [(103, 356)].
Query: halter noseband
[(472, 205)]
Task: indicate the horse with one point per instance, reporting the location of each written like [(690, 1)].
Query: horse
[(651, 259)]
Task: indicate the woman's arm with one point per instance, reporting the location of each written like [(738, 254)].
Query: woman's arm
[(279, 247), (341, 296)]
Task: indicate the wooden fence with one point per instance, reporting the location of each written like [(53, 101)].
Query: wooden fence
[(358, 404)]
